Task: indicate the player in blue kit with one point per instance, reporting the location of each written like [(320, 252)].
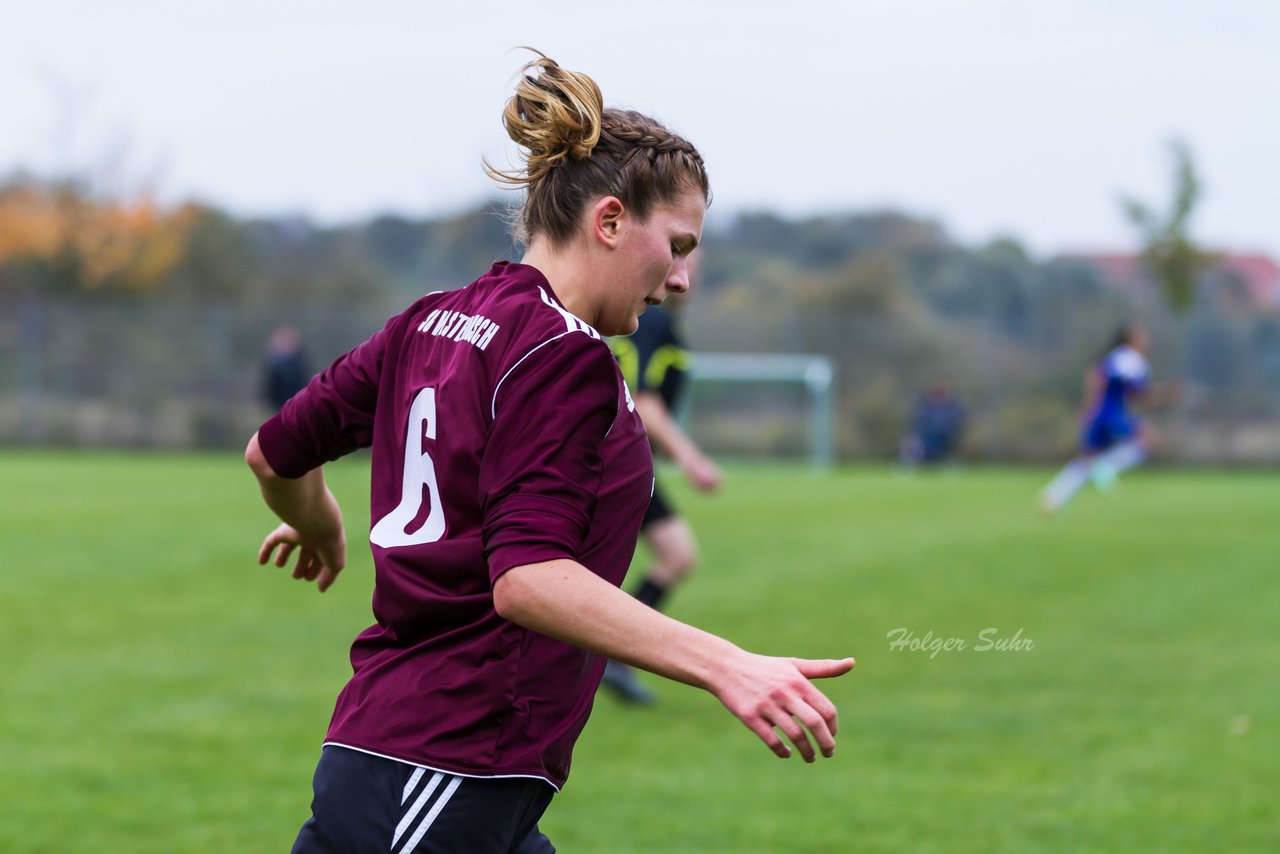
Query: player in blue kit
[(1113, 439), (656, 366)]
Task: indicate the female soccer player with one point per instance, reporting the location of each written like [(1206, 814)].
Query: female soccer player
[(510, 473), (1113, 439)]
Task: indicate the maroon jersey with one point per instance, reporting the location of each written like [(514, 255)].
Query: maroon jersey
[(503, 434)]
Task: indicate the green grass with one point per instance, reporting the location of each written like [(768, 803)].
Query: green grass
[(166, 694)]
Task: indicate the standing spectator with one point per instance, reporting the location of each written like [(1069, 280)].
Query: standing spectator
[(285, 372), (936, 427)]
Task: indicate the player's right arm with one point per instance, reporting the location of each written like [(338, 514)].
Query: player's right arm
[(332, 416), (311, 521), (665, 431)]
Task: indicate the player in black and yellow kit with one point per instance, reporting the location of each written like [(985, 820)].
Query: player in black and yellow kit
[(656, 366)]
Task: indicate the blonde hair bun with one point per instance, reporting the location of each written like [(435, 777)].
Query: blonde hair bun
[(574, 150), (555, 115)]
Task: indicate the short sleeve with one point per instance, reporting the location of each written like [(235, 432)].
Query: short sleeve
[(541, 468), (1130, 367), (332, 416)]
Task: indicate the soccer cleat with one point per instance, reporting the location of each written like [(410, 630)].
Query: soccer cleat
[(622, 681)]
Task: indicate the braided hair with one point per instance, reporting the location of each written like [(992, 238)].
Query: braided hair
[(577, 151)]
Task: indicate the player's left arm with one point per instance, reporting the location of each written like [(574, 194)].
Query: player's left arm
[(768, 694), (539, 483), (1162, 394)]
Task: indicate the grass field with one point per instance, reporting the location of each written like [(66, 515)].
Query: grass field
[(166, 694)]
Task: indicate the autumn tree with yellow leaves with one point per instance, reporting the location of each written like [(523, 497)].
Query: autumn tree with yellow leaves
[(83, 243)]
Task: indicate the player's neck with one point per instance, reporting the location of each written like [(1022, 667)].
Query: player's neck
[(570, 275)]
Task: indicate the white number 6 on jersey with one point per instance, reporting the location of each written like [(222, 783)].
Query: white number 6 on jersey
[(419, 471)]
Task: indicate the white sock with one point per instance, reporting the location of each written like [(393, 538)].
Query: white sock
[(1066, 484), (1124, 456)]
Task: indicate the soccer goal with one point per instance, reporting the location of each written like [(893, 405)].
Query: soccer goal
[(763, 405)]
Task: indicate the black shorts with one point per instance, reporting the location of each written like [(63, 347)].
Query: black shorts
[(369, 803), (659, 508)]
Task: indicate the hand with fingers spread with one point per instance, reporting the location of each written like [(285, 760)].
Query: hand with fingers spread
[(319, 559), (565, 600), (771, 695)]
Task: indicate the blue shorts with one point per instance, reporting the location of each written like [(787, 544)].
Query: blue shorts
[(370, 803), (1106, 431)]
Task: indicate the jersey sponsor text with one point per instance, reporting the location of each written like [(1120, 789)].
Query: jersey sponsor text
[(474, 329)]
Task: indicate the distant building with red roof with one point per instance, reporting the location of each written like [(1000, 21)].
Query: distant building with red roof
[(1251, 280), (1259, 274)]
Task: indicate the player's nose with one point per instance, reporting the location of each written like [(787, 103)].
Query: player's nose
[(678, 278)]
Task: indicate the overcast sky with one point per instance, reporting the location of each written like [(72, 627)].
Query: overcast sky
[(996, 117)]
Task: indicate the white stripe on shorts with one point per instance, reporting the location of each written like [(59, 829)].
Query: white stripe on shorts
[(412, 784), (430, 817), (412, 813)]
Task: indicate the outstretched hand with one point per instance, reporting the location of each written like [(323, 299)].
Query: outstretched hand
[(771, 695), (319, 560)]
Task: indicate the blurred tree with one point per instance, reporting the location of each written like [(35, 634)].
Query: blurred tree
[(398, 243), (65, 236), (466, 245), (29, 226), (871, 285), (1169, 252), (219, 262), (401, 248), (993, 286)]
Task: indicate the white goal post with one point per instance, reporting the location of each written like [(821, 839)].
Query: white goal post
[(815, 373)]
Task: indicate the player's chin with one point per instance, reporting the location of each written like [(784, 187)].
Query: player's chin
[(623, 326)]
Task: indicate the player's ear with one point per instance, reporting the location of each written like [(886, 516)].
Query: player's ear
[(607, 217)]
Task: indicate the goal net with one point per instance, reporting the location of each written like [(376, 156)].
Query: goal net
[(774, 406)]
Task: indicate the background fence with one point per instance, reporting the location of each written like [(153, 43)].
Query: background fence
[(147, 374)]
